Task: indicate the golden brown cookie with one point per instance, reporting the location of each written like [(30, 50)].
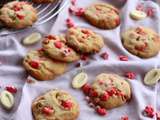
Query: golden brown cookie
[(44, 1), (41, 67), (55, 105), (141, 41), (84, 40), (110, 91), (102, 15), (56, 48), (18, 15)]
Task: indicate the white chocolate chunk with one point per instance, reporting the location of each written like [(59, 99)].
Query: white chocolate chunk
[(152, 77), (32, 39), (79, 80), (138, 15), (7, 100)]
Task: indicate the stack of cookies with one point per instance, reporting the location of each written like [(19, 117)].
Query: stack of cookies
[(59, 50)]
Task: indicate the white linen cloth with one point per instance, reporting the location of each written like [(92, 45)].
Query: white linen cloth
[(12, 72)]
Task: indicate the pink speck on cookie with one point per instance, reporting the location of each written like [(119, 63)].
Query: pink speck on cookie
[(105, 96), (58, 44), (47, 110), (86, 88), (34, 64), (67, 104), (93, 93)]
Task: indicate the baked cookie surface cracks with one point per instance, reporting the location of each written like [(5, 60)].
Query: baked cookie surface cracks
[(110, 91), (141, 41), (56, 48), (55, 105), (102, 15), (41, 67), (84, 40), (18, 15)]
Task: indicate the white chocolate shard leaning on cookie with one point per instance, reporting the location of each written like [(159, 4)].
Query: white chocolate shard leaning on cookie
[(79, 80)]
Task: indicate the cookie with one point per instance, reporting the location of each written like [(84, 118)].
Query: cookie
[(110, 91), (44, 1), (84, 40), (56, 48), (41, 67), (18, 15), (55, 105), (102, 15), (141, 41)]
